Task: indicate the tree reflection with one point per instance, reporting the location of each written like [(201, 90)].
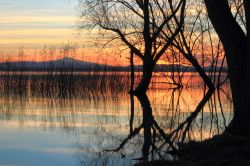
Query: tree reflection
[(148, 125), (157, 142), (181, 131)]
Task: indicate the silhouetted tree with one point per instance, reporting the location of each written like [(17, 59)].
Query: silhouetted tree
[(139, 24), (191, 39), (236, 41)]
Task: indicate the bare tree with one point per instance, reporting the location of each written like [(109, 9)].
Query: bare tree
[(194, 39), (139, 25)]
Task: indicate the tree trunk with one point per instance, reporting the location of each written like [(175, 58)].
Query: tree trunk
[(148, 66), (236, 48), (241, 120), (148, 63), (132, 71)]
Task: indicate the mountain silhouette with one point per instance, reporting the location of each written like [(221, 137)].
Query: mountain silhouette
[(70, 64), (64, 64)]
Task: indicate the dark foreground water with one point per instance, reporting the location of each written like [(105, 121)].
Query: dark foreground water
[(91, 120)]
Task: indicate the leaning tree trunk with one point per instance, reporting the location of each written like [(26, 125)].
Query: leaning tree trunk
[(236, 44), (241, 121)]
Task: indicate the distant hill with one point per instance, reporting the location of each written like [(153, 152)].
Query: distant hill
[(70, 64), (65, 64)]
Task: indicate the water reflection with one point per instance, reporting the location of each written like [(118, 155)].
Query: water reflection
[(158, 143), (101, 125)]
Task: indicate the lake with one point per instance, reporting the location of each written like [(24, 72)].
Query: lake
[(90, 119)]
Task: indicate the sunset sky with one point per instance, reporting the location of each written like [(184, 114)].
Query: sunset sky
[(36, 22), (32, 24)]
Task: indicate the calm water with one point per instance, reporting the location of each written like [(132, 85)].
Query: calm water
[(60, 120)]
